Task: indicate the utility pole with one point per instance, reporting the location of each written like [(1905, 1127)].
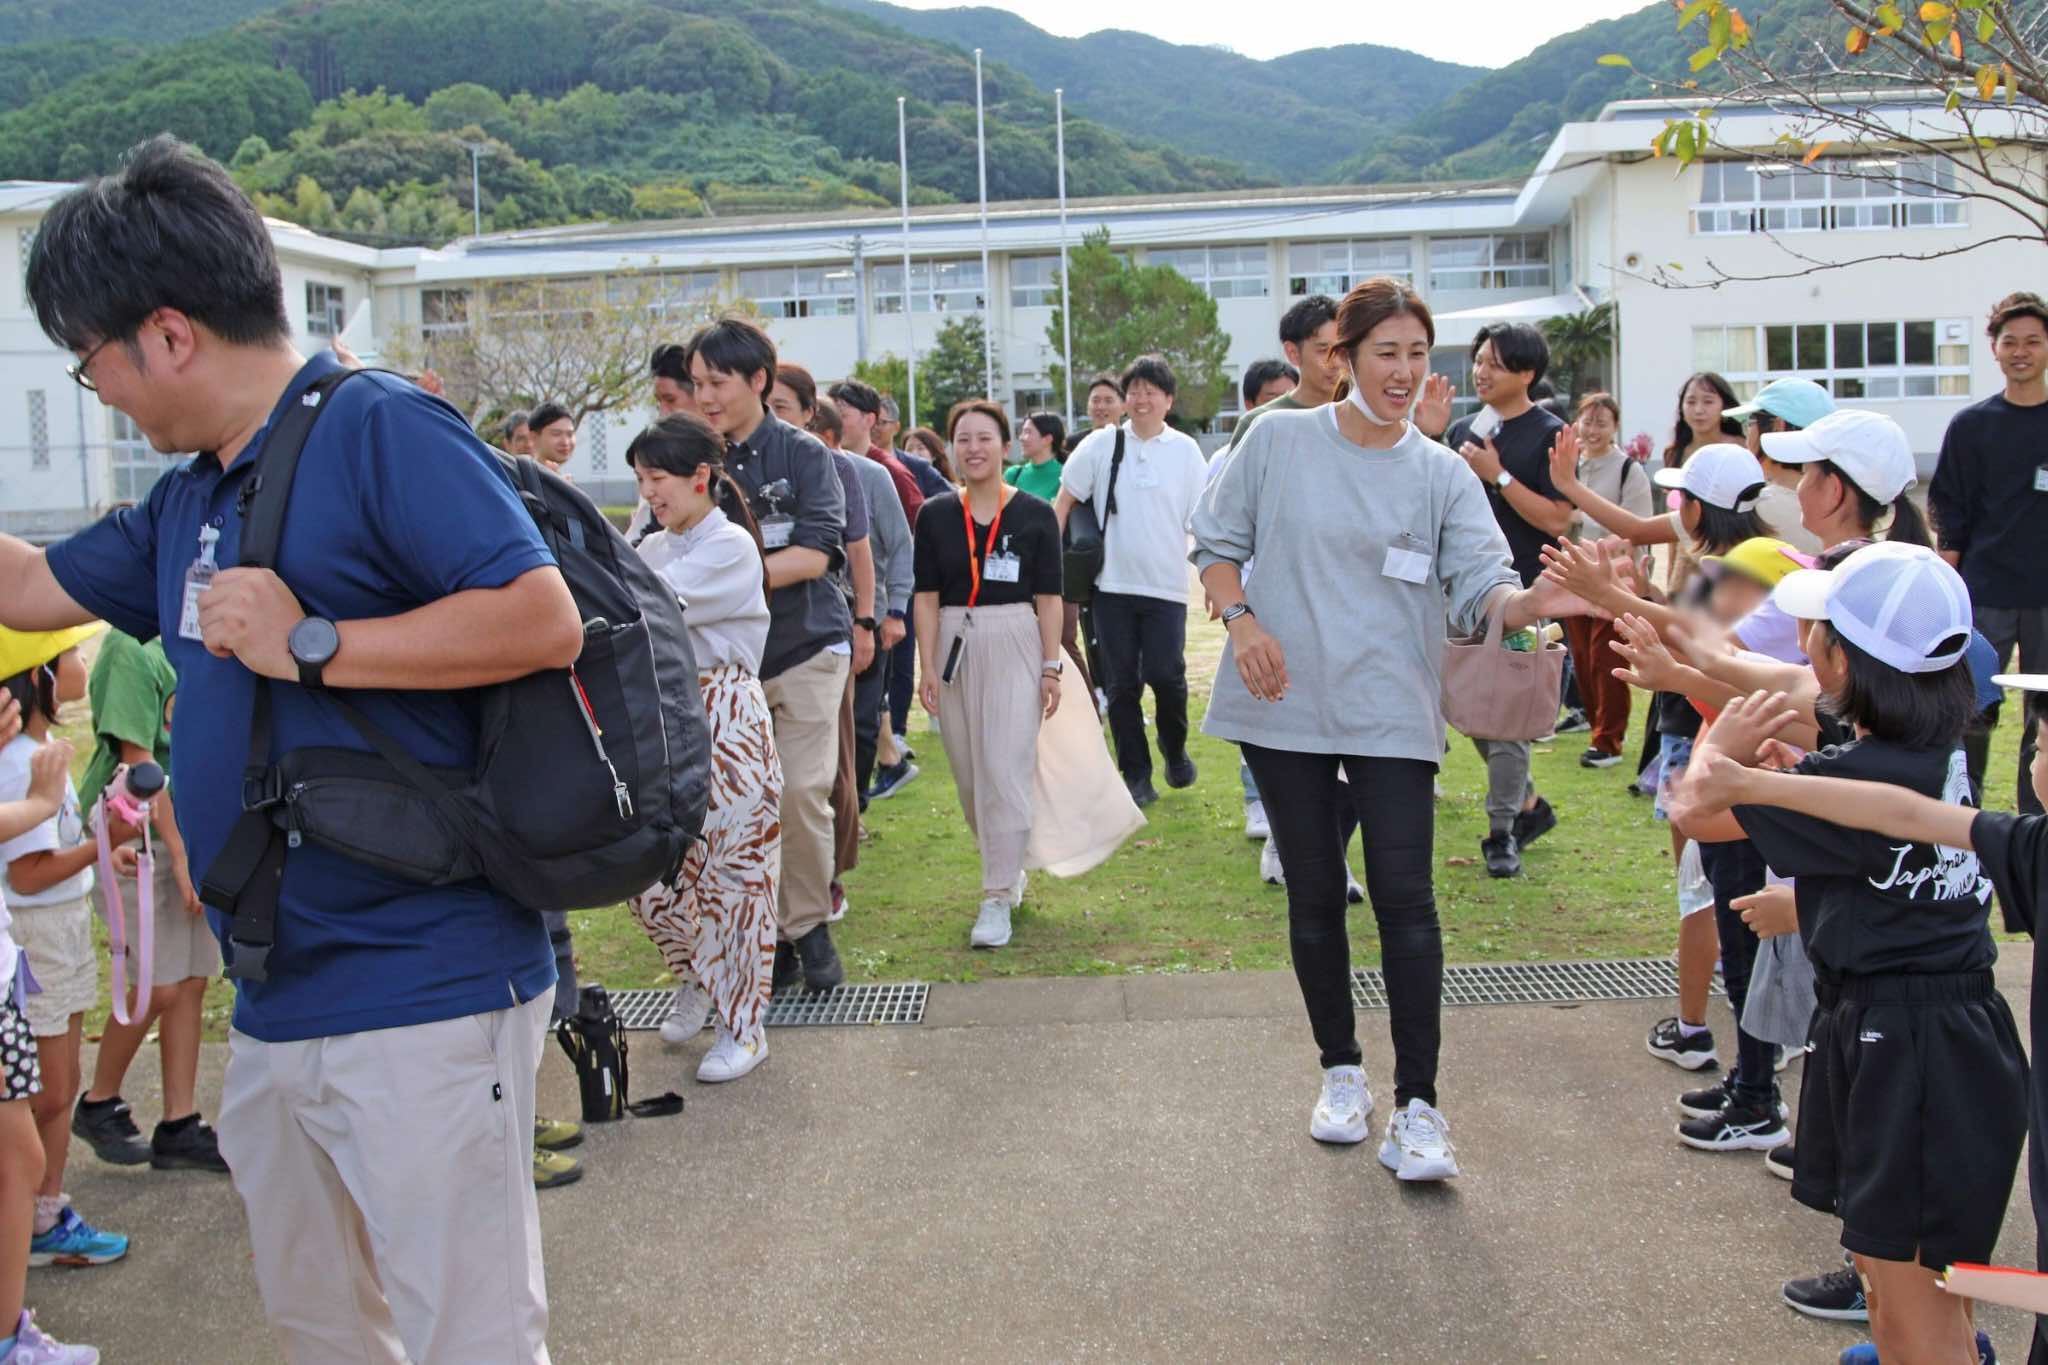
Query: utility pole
[(477, 151), (988, 331), (860, 301)]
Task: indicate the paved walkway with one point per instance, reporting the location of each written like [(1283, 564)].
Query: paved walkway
[(1105, 1169)]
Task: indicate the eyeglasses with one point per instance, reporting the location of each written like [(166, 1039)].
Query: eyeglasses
[(76, 369)]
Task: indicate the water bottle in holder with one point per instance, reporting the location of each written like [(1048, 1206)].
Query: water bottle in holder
[(128, 795)]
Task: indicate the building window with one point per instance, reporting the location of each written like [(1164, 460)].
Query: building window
[(1920, 358), (935, 286), (599, 445), (538, 298), (24, 243), (1227, 272), (669, 293), (808, 291), (38, 429), (1470, 264), (1839, 195), (1034, 281), (444, 310), (1334, 267), (136, 466), (326, 309)]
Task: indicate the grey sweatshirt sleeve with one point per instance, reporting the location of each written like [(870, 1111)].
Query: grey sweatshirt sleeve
[(1471, 553), (894, 557), (1227, 513)]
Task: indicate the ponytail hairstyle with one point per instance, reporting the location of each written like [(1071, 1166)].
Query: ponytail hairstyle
[(1681, 434), (1053, 429), (1909, 523), (36, 690), (681, 444)]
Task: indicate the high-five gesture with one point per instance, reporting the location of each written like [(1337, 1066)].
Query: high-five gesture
[(1433, 409)]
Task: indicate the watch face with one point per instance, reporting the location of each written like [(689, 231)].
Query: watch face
[(314, 641)]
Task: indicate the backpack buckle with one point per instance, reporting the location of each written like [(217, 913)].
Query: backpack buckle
[(263, 790)]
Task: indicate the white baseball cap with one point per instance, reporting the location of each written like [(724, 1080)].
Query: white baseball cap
[(1901, 604), (1868, 447), (2025, 682), (1722, 474)]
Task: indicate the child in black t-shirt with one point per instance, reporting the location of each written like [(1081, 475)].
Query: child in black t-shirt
[(2014, 854), (1911, 1113)]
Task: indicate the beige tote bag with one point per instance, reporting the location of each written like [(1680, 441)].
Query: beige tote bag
[(1492, 692)]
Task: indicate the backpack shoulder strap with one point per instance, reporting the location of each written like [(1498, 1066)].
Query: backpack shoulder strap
[(1116, 463), (269, 488)]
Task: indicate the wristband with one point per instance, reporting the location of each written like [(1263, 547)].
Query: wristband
[(1053, 667)]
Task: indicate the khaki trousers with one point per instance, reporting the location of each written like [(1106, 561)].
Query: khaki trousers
[(805, 702), (388, 1181)]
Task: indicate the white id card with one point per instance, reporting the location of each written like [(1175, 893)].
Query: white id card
[(1000, 568), (1407, 561), (198, 579), (2041, 479), (776, 531)]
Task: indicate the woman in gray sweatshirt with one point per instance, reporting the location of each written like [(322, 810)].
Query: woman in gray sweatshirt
[(1367, 535)]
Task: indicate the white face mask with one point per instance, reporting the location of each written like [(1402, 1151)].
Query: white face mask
[(1357, 400)]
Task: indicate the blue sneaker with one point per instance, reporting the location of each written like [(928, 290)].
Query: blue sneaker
[(1865, 1353), (75, 1242)]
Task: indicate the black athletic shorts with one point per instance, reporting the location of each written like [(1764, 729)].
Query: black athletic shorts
[(1911, 1115)]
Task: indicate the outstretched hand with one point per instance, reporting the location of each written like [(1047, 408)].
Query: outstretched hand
[(1585, 568), (1648, 664), (1747, 724), (1564, 461), (1433, 409)]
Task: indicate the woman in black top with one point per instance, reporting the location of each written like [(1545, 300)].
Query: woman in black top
[(988, 611)]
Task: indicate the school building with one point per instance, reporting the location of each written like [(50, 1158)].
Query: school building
[(1599, 219)]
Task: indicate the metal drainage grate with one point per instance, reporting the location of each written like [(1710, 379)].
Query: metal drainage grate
[(897, 1003), (1537, 983)]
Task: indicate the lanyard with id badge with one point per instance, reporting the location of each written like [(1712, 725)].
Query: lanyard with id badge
[(1002, 568), (198, 579)]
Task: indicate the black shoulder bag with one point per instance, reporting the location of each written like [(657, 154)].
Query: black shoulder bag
[(1087, 537)]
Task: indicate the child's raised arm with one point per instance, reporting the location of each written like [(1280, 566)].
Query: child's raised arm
[(1877, 807), (47, 768)]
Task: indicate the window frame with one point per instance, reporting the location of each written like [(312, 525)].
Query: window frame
[(1846, 358), (1817, 199)]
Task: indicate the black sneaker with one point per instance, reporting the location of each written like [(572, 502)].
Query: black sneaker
[(1737, 1128), (109, 1128), (188, 1145), (1778, 1161), (1836, 1296), (788, 971), (1533, 823), (1573, 721), (1689, 1054), (821, 965), (1180, 772), (1141, 791), (1598, 758), (1714, 1099), (1503, 858)]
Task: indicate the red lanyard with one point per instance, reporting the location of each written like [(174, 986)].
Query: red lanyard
[(974, 555)]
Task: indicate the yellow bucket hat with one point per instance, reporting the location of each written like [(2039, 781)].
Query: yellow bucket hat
[(21, 650), (1760, 557)]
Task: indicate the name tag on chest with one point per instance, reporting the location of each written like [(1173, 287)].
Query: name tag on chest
[(1000, 568), (1406, 565), (776, 531)]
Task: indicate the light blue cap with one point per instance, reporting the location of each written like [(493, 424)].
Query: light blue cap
[(1795, 402)]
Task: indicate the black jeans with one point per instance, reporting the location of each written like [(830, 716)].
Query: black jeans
[(902, 682), (1396, 813), (1735, 870), (867, 720), (1144, 643)]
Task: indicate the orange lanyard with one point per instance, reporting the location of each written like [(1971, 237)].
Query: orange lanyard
[(974, 555)]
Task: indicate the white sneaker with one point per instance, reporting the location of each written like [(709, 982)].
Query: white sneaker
[(1354, 894), (730, 1059), (1418, 1145), (687, 1014), (1017, 891), (1256, 825), (33, 1347), (992, 926), (1343, 1112), (1270, 871)]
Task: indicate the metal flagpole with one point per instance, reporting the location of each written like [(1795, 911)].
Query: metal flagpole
[(909, 311), (1059, 114), (988, 331)]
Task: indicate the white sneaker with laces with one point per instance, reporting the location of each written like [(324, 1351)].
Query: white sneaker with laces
[(1418, 1145), (1270, 871), (992, 926), (1344, 1110), (33, 1347), (730, 1059), (1017, 891), (687, 1014), (1256, 825), (1354, 894)]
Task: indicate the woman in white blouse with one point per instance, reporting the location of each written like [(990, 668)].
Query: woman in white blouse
[(715, 922)]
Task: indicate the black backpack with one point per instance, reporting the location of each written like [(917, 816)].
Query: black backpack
[(590, 782)]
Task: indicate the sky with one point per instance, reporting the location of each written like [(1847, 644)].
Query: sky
[(1475, 32)]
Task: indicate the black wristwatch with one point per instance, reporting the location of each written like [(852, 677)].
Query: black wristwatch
[(867, 623), (1235, 610), (314, 642)]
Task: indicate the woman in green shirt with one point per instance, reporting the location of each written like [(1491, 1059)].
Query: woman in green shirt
[(1043, 436)]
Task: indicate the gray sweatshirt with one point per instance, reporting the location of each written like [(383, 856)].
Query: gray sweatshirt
[(1363, 644), (888, 537)]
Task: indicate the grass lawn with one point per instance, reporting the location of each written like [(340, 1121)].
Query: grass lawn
[(1183, 895)]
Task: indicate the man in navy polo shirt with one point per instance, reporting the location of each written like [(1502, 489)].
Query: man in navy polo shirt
[(378, 1105)]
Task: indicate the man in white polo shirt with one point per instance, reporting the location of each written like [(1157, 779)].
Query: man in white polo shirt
[(1141, 598)]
